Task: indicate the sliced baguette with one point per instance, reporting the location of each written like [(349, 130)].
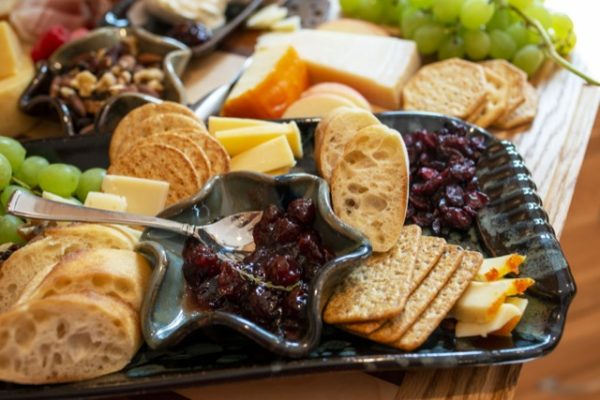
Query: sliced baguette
[(28, 266), (369, 185), (67, 338), (122, 274)]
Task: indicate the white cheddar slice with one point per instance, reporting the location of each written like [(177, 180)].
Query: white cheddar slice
[(316, 105), (378, 67), (291, 24), (60, 199), (216, 124), (106, 201), (266, 17), (495, 268), (237, 141), (144, 196), (505, 314), (268, 156), (481, 301)]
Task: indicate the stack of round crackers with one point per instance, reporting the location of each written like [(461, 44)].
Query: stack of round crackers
[(167, 142), (492, 93)]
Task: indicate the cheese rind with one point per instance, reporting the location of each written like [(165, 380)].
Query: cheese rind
[(106, 201), (216, 124), (237, 141), (144, 196), (378, 67), (271, 155)]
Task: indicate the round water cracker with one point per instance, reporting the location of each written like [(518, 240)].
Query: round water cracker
[(523, 114), (126, 129), (515, 79), (454, 87), (496, 100), (215, 152), (160, 162), (187, 146)]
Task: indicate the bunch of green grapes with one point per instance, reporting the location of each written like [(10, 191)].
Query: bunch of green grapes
[(474, 29), (35, 174)]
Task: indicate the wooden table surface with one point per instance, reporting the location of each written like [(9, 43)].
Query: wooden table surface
[(553, 148)]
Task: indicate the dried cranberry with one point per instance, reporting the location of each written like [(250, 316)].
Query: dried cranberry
[(271, 213), (285, 230), (283, 270), (476, 200), (428, 173), (200, 263), (309, 246), (423, 219), (295, 302), (302, 210), (231, 284), (454, 195), (263, 303), (456, 218)]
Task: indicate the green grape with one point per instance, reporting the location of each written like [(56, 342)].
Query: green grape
[(412, 19), (13, 151), (451, 46), (520, 4), (349, 7), (447, 10), (60, 179), (519, 34), (539, 12), (477, 44), (7, 192), (500, 20), (30, 169), (9, 224), (562, 25), (5, 172), (529, 59), (371, 10), (90, 181), (533, 37), (475, 13), (565, 46), (428, 38), (422, 4), (502, 45)]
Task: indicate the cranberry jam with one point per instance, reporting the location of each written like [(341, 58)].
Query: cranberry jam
[(270, 285)]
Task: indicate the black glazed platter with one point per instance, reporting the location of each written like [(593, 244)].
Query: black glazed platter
[(513, 221)]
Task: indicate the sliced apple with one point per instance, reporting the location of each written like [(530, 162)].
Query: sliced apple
[(339, 89), (316, 105)]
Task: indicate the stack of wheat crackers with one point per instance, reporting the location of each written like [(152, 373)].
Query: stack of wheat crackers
[(491, 93), (167, 142), (400, 297)]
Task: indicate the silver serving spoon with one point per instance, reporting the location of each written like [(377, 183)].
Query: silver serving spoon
[(234, 232)]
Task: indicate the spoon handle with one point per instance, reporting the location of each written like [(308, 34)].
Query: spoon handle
[(27, 205)]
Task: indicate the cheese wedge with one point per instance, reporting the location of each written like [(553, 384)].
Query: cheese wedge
[(225, 123), (268, 156), (378, 67), (506, 313), (316, 105), (106, 201), (507, 329), (143, 196), (290, 24), (495, 268), (274, 80), (266, 17), (481, 301), (237, 141), (280, 171), (11, 53)]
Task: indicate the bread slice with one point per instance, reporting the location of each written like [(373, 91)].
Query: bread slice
[(418, 333), (369, 185), (379, 287), (122, 274), (29, 265), (419, 300), (340, 128), (322, 128), (66, 338)]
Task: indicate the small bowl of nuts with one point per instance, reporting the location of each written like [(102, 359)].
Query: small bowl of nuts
[(108, 63)]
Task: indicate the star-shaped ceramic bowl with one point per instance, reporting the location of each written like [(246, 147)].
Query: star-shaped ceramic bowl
[(166, 316), (36, 100)]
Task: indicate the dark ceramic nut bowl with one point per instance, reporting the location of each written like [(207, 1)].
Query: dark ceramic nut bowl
[(36, 100), (167, 315)]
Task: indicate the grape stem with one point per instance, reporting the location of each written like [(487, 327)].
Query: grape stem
[(550, 50)]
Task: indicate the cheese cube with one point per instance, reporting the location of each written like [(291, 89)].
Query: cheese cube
[(378, 67), (506, 313), (495, 268), (11, 53), (143, 196), (106, 201), (237, 141), (268, 156), (216, 124)]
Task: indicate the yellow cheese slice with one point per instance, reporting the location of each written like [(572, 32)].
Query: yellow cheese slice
[(106, 201), (507, 329), (505, 314), (216, 124), (280, 171), (316, 105), (267, 156), (378, 67), (143, 196), (481, 301), (11, 52), (495, 268), (237, 141)]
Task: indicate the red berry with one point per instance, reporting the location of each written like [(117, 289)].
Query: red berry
[(55, 37)]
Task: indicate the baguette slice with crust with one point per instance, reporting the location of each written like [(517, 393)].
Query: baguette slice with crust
[(67, 337), (369, 186)]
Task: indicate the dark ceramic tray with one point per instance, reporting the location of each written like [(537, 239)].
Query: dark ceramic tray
[(513, 221), (236, 13)]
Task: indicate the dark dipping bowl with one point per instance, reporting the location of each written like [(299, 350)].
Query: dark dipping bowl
[(168, 316), (36, 100)]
